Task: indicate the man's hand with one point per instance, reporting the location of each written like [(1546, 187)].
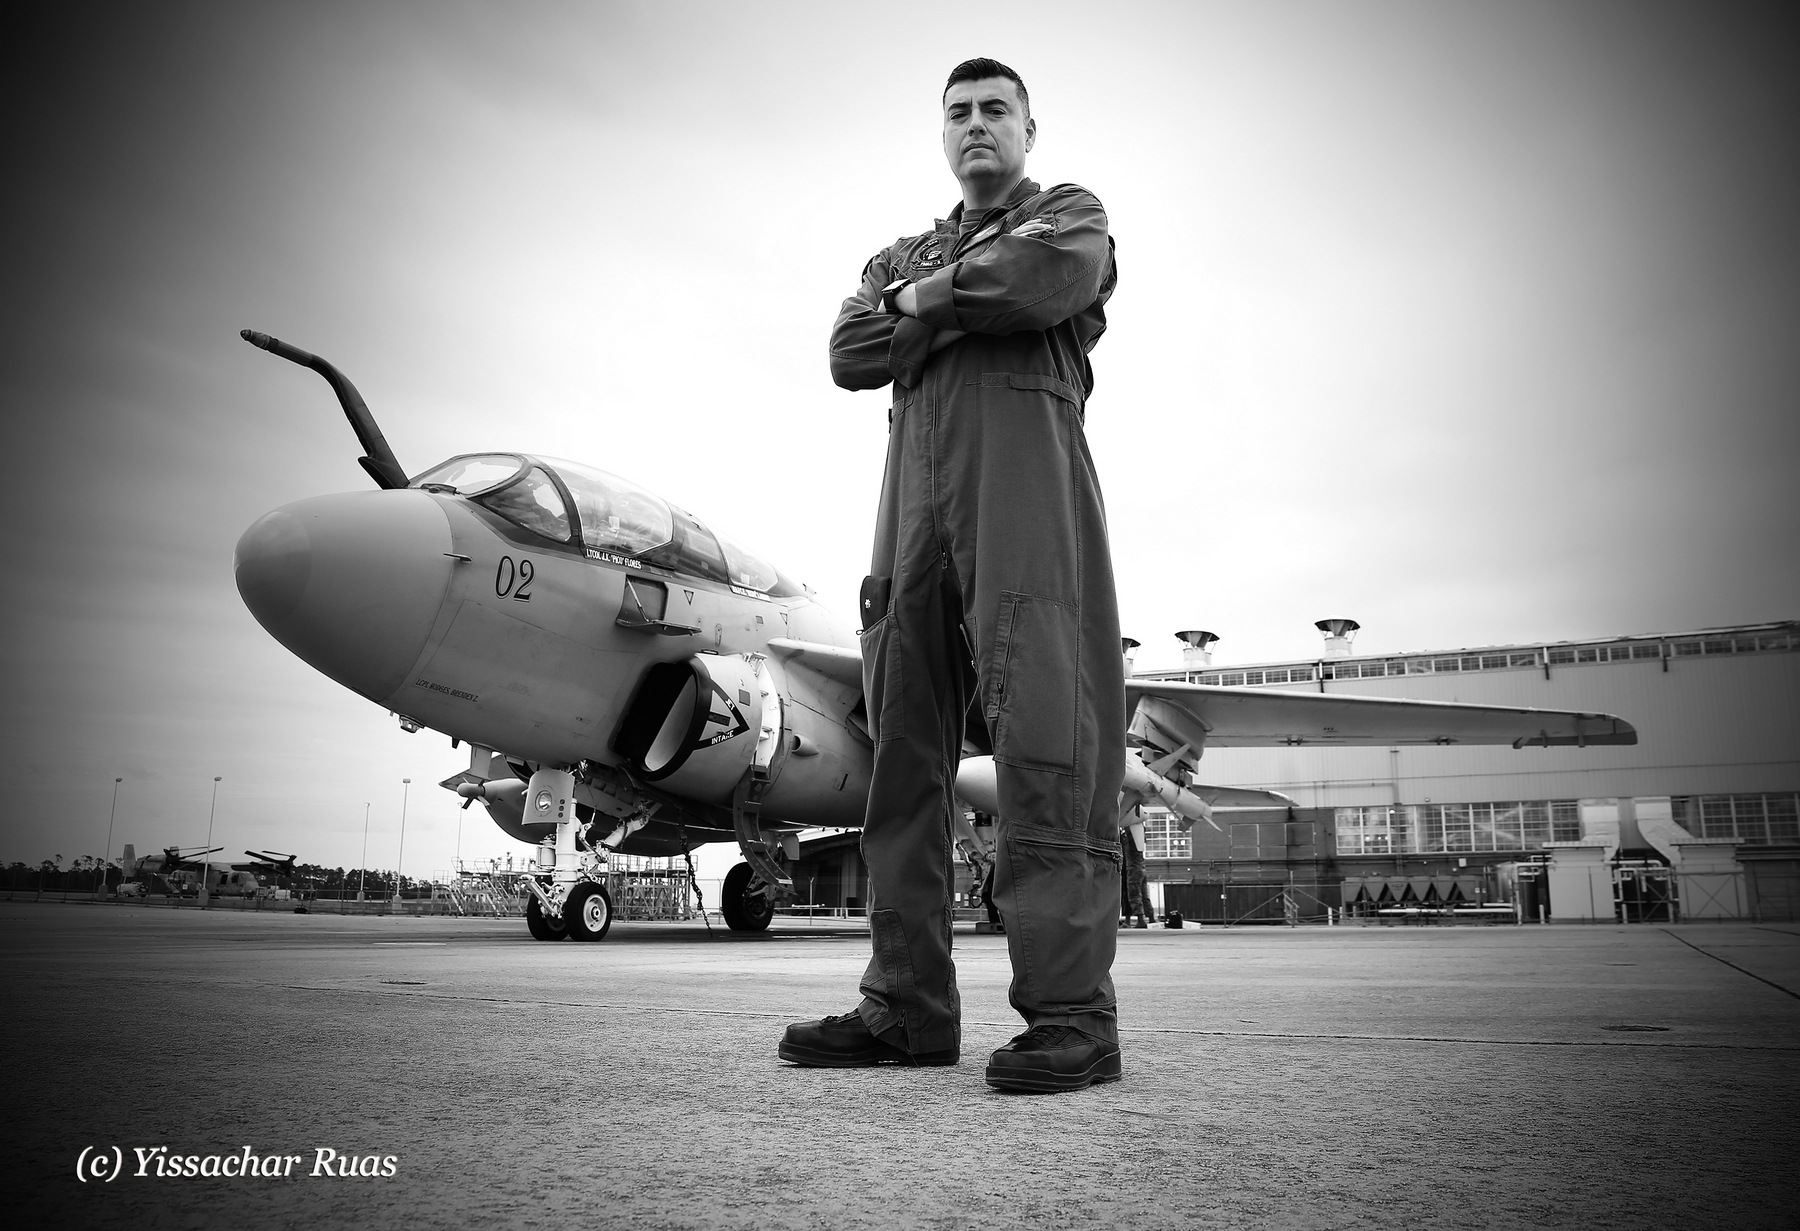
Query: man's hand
[(906, 303)]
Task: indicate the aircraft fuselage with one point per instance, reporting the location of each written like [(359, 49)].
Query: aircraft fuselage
[(456, 618)]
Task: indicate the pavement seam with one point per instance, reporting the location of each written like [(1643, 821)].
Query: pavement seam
[(1715, 957), (1223, 1034)]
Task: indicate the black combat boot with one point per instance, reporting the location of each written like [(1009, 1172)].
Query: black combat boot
[(1049, 1058), (845, 1042)]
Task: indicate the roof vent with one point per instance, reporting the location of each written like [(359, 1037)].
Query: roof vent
[(1338, 636), (1198, 653)]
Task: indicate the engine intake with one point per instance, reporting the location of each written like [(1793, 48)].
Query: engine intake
[(683, 726)]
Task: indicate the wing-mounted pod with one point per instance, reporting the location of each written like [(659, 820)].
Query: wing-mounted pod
[(1157, 724), (696, 726)]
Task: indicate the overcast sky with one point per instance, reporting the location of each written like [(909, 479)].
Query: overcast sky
[(1473, 322)]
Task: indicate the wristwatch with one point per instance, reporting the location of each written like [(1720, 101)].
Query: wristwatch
[(889, 291)]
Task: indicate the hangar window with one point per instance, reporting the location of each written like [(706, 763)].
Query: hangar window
[(1755, 820), (1429, 829), (1565, 821), (534, 503), (1163, 836)]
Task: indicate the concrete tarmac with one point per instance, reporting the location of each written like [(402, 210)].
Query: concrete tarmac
[(1583, 1077)]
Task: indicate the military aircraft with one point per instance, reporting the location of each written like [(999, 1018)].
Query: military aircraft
[(172, 871), (178, 872), (627, 680), (272, 869)]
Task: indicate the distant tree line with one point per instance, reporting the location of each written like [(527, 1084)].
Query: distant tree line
[(90, 872), (84, 875), (346, 882)]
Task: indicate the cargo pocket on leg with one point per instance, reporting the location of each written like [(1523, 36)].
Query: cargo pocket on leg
[(1034, 695), (1063, 890)]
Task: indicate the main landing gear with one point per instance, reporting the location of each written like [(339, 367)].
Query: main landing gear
[(752, 888), (745, 910)]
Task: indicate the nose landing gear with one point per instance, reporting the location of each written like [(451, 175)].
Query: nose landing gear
[(541, 925), (570, 898), (588, 912)]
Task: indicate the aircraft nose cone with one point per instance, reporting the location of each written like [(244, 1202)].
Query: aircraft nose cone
[(351, 583)]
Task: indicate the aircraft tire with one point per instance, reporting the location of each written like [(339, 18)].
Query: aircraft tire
[(744, 913), (588, 912), (543, 928)]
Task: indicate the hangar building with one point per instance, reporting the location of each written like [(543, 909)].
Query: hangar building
[(1705, 801), (1697, 820)]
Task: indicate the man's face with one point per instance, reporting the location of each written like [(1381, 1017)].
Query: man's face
[(986, 131)]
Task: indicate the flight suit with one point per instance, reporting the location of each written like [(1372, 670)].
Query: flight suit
[(1134, 891), (991, 546)]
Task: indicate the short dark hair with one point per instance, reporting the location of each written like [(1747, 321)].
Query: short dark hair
[(980, 70)]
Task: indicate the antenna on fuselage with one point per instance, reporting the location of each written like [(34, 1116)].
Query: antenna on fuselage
[(379, 461)]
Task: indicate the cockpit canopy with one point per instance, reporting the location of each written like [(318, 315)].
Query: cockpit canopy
[(571, 503)]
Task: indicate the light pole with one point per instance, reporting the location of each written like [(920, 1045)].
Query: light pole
[(405, 789), (362, 872), (109, 833), (210, 814)]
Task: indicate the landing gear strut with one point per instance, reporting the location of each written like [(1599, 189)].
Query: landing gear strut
[(568, 898), (752, 888)]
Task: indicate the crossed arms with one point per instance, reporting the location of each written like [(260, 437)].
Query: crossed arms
[(1046, 270)]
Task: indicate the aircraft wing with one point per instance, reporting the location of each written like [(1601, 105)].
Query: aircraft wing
[(1205, 715), (1240, 797), (834, 662)]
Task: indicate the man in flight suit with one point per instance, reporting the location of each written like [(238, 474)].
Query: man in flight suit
[(1134, 890), (992, 583)]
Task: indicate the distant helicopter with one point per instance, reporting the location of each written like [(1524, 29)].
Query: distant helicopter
[(173, 872), (177, 873), (271, 868)]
